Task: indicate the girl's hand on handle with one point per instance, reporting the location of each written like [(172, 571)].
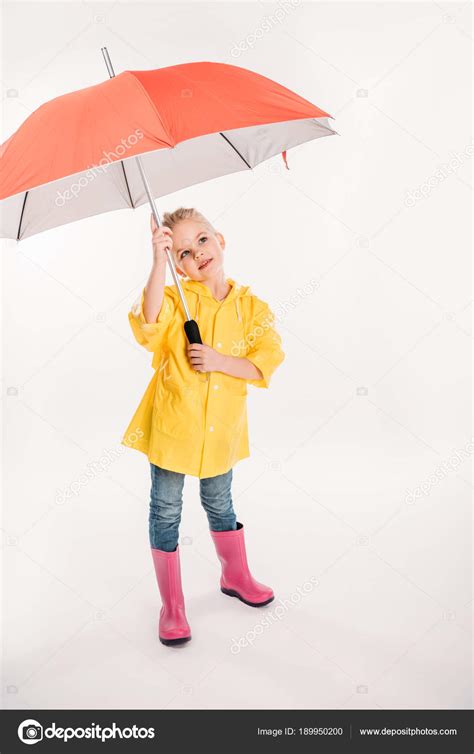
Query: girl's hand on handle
[(162, 239), (203, 358)]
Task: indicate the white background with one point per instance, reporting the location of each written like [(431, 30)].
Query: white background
[(372, 398)]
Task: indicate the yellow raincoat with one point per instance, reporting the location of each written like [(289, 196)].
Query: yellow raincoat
[(196, 422)]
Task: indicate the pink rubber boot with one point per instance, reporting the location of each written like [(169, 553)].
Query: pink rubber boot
[(236, 579), (173, 626)]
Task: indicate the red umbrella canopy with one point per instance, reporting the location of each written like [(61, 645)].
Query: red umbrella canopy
[(73, 156)]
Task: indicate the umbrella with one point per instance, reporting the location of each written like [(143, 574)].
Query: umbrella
[(141, 135)]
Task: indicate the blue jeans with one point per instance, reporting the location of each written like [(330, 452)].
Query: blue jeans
[(166, 502)]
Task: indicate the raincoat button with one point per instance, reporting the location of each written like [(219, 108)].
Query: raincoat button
[(211, 429), (219, 345), (216, 387)]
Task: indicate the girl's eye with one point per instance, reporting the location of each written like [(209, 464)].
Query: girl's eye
[(203, 238)]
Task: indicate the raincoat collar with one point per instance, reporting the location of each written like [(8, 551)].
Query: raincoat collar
[(201, 289)]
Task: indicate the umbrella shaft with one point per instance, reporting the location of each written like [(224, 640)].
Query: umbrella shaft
[(111, 72), (158, 223)]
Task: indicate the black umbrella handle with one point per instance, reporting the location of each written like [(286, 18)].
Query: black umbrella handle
[(194, 336), (192, 331)]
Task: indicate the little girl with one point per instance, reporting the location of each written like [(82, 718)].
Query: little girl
[(193, 416)]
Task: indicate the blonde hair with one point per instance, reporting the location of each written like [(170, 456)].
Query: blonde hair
[(171, 219)]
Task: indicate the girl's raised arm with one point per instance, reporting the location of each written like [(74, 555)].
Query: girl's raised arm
[(154, 289)]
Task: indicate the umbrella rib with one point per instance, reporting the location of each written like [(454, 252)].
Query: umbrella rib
[(126, 182), (21, 216), (235, 149)]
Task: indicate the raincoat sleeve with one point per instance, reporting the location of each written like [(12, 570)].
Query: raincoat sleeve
[(265, 345), (152, 335)]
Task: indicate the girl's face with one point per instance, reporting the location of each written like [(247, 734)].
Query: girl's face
[(194, 244)]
